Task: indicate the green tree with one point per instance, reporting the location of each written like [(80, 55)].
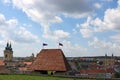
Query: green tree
[(117, 75)]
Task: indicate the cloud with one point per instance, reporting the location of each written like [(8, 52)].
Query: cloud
[(86, 33), (56, 35), (6, 1), (74, 50), (118, 3), (116, 38), (12, 22), (53, 8), (104, 46), (113, 22), (85, 28), (9, 30), (86, 24), (21, 35), (2, 19), (110, 22), (38, 11), (48, 12), (108, 0), (97, 5), (2, 42)]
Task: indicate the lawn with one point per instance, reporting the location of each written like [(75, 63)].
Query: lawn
[(29, 77)]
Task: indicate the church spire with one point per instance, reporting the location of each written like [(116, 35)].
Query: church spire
[(106, 55), (8, 46), (112, 55)]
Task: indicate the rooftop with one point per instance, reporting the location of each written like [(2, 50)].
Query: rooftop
[(50, 59)]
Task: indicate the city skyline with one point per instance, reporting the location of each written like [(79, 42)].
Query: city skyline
[(84, 27)]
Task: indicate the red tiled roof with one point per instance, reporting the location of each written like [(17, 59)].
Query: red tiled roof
[(92, 71), (108, 70), (50, 59), (27, 63), (23, 68), (3, 69), (95, 66), (1, 62), (117, 63)]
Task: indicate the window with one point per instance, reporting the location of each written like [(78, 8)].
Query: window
[(6, 56)]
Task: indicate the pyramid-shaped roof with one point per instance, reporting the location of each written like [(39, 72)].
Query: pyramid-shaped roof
[(50, 59)]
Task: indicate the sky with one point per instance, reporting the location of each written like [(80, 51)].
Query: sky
[(84, 27)]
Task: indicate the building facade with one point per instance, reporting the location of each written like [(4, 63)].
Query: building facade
[(8, 55)]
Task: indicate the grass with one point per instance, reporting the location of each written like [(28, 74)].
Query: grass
[(29, 77)]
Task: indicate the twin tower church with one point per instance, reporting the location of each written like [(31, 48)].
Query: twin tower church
[(8, 55)]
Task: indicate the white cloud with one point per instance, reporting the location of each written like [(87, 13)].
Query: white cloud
[(39, 11), (96, 43), (104, 46), (85, 28), (2, 19), (110, 22), (61, 33), (112, 18), (86, 33), (46, 12), (6, 1), (108, 0), (118, 3), (2, 42), (101, 47), (21, 35), (56, 35), (97, 5), (116, 38), (9, 30), (87, 23), (12, 22), (74, 50)]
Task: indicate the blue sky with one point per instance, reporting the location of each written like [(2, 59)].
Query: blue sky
[(84, 27)]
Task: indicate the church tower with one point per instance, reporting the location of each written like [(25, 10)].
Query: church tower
[(8, 52)]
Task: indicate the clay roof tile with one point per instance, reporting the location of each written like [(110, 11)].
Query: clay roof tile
[(50, 59)]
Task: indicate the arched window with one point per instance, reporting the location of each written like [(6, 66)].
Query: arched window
[(6, 56)]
